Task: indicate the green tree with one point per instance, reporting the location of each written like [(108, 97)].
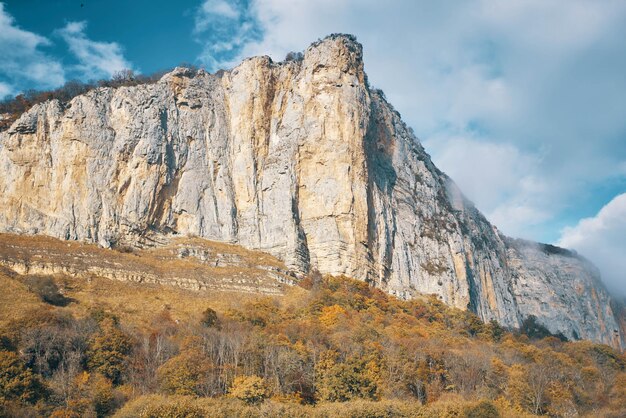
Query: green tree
[(209, 318), (109, 351), (16, 381)]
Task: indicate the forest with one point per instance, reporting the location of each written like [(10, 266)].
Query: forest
[(331, 346)]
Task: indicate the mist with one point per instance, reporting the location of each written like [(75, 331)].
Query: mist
[(601, 240)]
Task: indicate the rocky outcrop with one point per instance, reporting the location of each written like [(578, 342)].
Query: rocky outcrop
[(189, 263), (300, 159), (563, 290)]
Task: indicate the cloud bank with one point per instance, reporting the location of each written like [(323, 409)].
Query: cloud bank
[(95, 59), (24, 62), (601, 239), (224, 28)]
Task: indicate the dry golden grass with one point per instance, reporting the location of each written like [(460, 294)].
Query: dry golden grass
[(190, 263), (16, 301), (140, 303), (74, 267), (135, 304)]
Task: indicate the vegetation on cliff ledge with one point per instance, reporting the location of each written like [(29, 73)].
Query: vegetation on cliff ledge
[(331, 347)]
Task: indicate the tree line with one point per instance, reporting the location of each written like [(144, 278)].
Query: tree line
[(343, 344), (12, 107)]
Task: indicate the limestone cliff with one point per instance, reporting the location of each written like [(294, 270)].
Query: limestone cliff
[(300, 159)]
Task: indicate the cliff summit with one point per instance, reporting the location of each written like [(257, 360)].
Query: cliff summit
[(300, 159)]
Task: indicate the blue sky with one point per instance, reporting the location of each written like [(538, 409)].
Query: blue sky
[(522, 102)]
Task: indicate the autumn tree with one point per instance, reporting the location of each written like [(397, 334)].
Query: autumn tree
[(16, 381), (357, 377), (109, 351), (184, 374), (467, 370), (544, 373), (250, 389), (518, 390), (209, 318), (61, 343)]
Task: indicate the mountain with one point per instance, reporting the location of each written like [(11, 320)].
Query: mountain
[(300, 159)]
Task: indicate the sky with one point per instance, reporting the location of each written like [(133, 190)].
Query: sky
[(521, 102)]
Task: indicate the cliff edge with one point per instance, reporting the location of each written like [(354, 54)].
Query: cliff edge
[(301, 159)]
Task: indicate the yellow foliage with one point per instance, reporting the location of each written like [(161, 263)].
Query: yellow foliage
[(330, 315), (518, 388), (561, 401), (618, 390), (181, 375), (343, 346), (250, 389), (64, 413)]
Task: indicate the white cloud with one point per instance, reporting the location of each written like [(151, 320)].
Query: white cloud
[(544, 76), (601, 239), (223, 28), (23, 62), (478, 164), (211, 9), (503, 179), (557, 26), (96, 59), (5, 89)]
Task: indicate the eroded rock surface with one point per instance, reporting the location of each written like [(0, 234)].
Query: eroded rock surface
[(300, 159)]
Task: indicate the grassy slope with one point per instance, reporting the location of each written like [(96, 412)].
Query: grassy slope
[(369, 318), (135, 304)]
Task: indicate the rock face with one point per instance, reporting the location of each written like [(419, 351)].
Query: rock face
[(300, 159), (563, 290)]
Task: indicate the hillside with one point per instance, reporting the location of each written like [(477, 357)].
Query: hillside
[(77, 346)]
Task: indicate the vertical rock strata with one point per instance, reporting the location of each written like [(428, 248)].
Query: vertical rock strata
[(300, 159)]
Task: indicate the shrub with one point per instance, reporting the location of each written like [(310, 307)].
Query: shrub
[(483, 409), (294, 56), (370, 409), (535, 330), (16, 381), (12, 108), (6, 343), (180, 409), (209, 318), (250, 389), (183, 374), (108, 351), (124, 249)]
